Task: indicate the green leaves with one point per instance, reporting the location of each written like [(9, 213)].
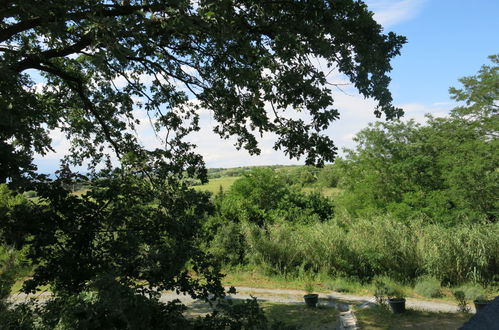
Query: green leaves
[(84, 49), (445, 169)]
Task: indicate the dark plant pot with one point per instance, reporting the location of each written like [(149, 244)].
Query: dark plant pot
[(479, 305), (397, 305), (311, 299)]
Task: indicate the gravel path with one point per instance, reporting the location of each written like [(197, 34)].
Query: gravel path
[(285, 296), (342, 302), (291, 296)]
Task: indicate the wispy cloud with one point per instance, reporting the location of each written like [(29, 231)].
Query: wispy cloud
[(392, 12)]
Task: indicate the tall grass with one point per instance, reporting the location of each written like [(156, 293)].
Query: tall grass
[(379, 246)]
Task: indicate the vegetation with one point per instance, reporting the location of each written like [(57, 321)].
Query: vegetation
[(412, 200), (299, 316), (102, 67), (444, 171), (390, 218), (428, 287), (374, 319)]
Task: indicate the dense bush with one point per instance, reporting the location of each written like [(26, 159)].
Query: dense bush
[(16, 217), (228, 244), (428, 287), (379, 246), (460, 254), (445, 169), (472, 291)]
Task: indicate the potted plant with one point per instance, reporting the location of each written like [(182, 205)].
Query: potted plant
[(480, 302), (396, 300), (311, 299)]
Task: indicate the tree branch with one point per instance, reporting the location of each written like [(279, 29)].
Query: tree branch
[(42, 57), (77, 86), (98, 11)]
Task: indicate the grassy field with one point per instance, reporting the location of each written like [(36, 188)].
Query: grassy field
[(214, 185), (300, 316), (225, 182), (378, 319)]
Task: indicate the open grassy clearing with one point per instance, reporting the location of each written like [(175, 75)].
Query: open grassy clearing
[(214, 185), (225, 182), (377, 319), (300, 316)]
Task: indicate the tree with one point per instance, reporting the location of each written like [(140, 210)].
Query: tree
[(445, 169), (233, 56), (106, 63)]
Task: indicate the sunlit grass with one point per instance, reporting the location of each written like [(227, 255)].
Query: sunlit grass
[(377, 318), (214, 185), (299, 315)]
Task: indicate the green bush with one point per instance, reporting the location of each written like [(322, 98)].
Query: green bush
[(364, 248), (462, 304), (30, 194), (383, 246), (278, 248), (472, 290), (428, 287), (228, 246), (460, 254)]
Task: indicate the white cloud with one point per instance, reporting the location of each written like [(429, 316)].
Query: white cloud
[(355, 114), (355, 111), (392, 12)]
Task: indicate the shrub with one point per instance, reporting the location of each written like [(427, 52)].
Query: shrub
[(472, 291), (460, 254), (383, 246), (462, 305), (428, 287), (30, 194), (278, 248), (228, 245)]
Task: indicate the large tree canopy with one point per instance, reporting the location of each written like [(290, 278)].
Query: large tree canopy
[(94, 68), (446, 169), (106, 63)]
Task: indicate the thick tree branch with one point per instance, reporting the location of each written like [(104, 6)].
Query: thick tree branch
[(42, 57), (98, 11), (77, 86)]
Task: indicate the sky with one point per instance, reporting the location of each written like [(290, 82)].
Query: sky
[(447, 40)]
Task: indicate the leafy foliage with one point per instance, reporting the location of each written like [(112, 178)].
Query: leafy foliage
[(16, 217), (461, 301), (445, 170), (428, 287), (102, 67), (472, 291), (234, 57), (260, 197)]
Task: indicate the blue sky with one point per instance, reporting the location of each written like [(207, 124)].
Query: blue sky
[(446, 40)]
